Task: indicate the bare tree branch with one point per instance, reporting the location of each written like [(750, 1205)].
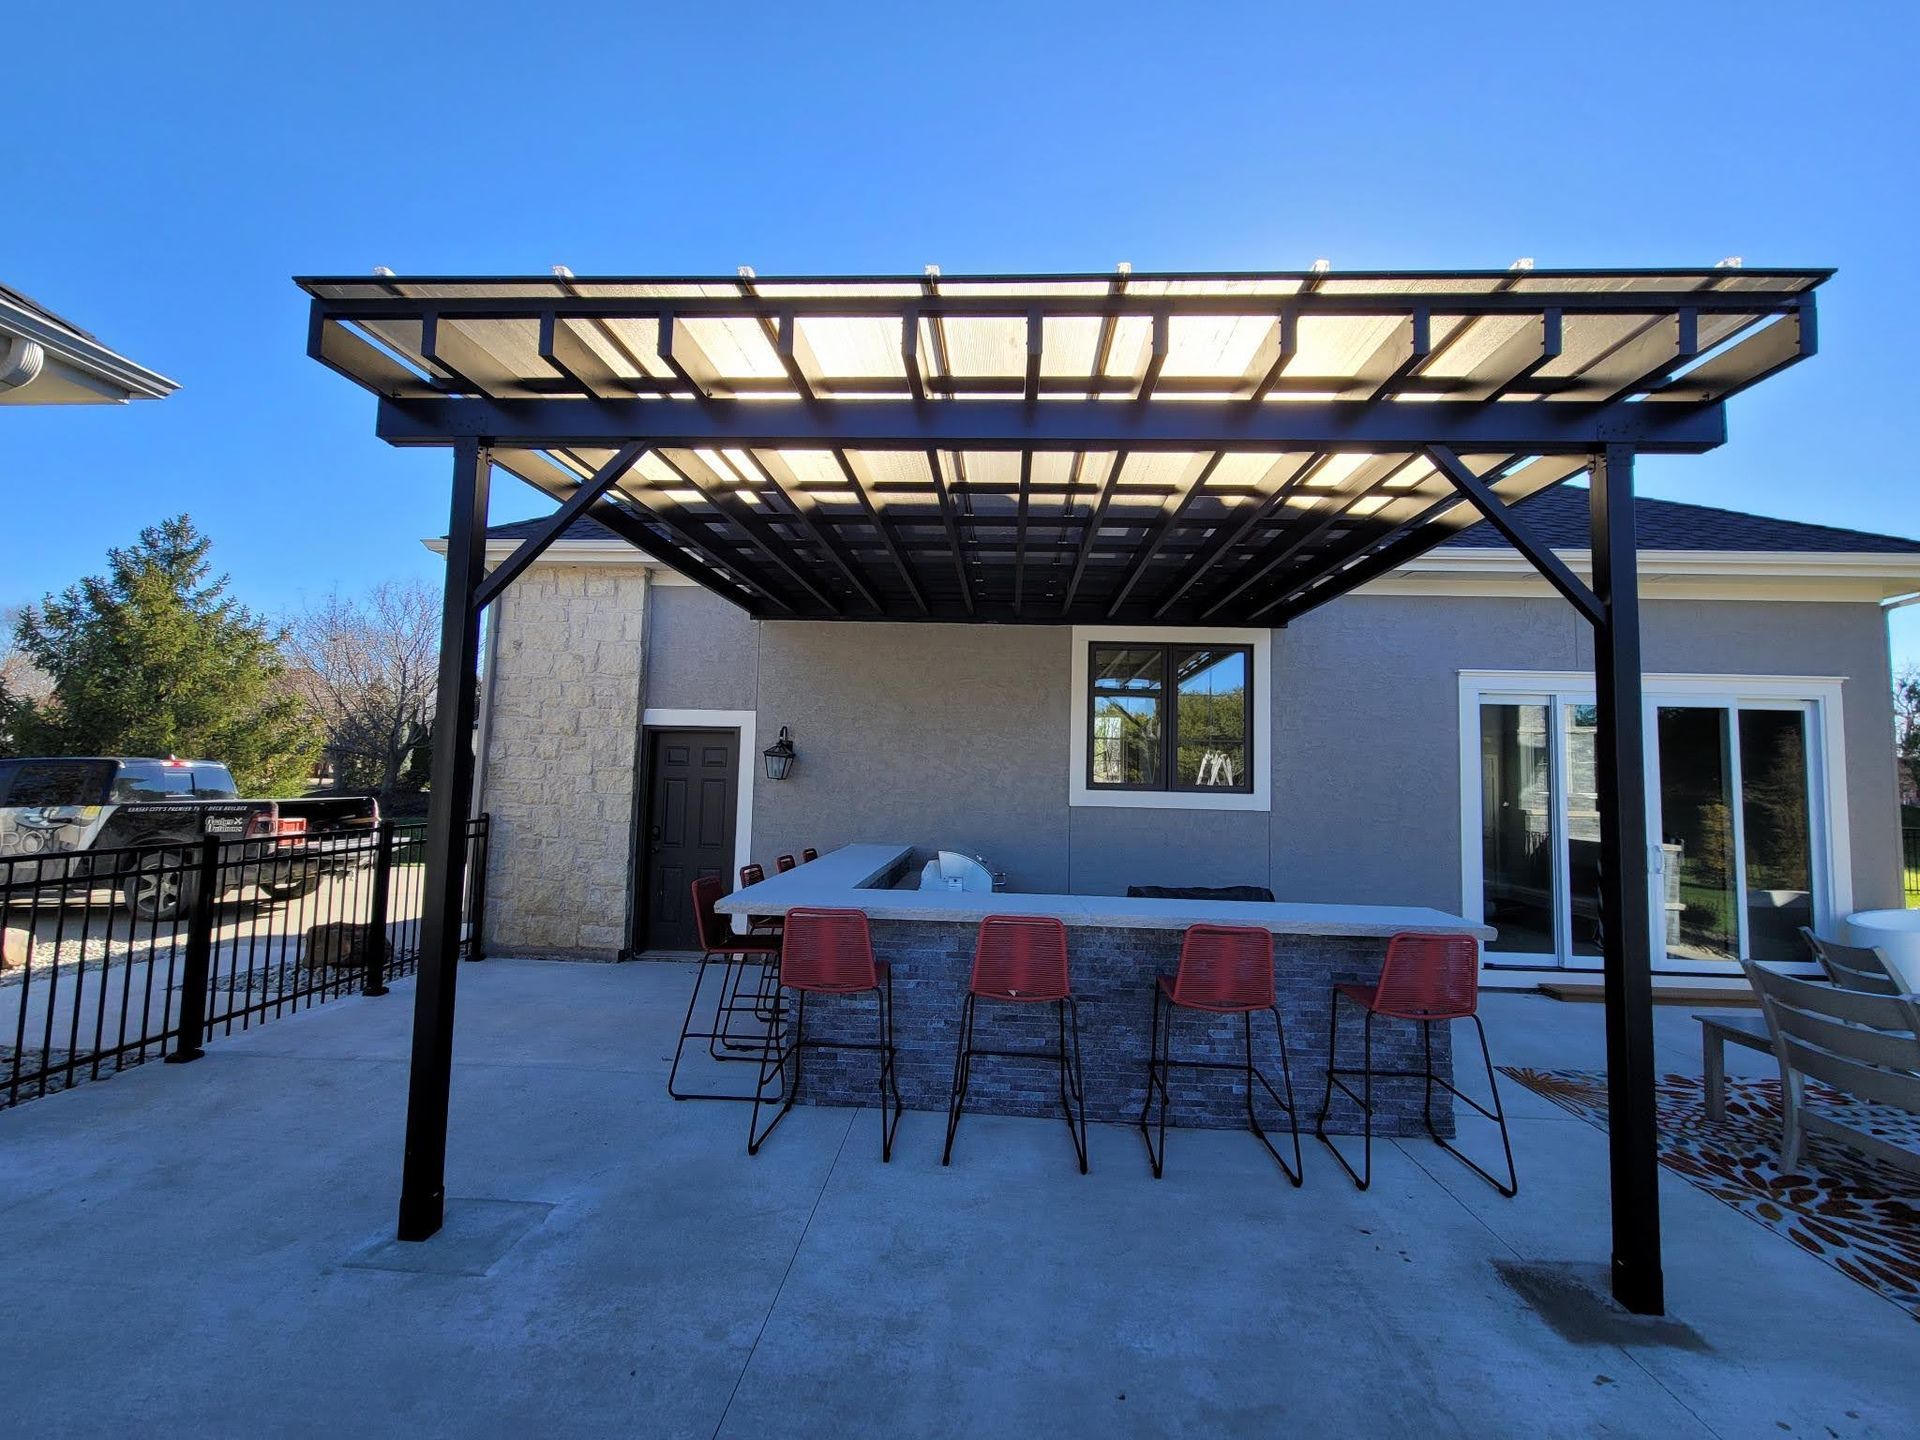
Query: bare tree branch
[(366, 669)]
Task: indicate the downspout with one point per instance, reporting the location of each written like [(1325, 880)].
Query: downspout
[(21, 361)]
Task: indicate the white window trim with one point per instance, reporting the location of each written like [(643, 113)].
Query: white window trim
[(1260, 642), (1833, 850), (743, 721)]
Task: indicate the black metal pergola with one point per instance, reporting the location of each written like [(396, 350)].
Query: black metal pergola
[(1168, 449)]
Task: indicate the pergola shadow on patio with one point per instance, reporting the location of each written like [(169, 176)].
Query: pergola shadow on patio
[(1181, 449), (614, 1263)]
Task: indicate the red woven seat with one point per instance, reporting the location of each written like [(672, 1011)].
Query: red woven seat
[(809, 855), (1424, 977), (1223, 968), (829, 952), (1021, 957), (717, 936), (783, 863)]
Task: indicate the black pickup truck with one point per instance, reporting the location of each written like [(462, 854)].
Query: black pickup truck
[(126, 822)]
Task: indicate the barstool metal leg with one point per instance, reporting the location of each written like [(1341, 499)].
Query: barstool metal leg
[(1497, 1114), (1073, 1081), (962, 1076), (1363, 1177), (889, 1075), (774, 1061), (1159, 1051)]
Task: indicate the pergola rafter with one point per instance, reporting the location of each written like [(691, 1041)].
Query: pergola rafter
[(1236, 449)]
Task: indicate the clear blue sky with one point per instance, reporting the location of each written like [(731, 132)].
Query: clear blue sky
[(167, 168)]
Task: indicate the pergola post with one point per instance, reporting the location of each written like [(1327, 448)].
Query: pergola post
[(1625, 898), (423, 1174)]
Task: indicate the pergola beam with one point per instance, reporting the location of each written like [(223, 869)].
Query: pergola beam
[(1539, 427), (585, 495), (1480, 495)]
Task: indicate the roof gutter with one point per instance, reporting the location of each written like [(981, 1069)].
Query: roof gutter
[(23, 332), (21, 361)]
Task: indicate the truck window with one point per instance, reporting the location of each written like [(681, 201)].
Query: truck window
[(151, 780), (214, 782), (55, 782)]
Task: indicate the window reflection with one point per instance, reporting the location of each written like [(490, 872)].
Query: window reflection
[(1212, 723), (1129, 686)]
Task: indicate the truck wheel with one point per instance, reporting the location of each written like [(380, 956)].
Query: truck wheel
[(162, 888), (298, 888)]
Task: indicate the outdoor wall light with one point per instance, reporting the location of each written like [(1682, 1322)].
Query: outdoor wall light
[(779, 756)]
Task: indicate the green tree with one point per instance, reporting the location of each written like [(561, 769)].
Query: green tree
[(155, 658), (1906, 728)]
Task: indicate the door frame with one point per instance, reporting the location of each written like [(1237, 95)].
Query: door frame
[(1826, 774), (652, 721)]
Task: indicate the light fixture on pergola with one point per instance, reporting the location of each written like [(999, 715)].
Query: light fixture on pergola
[(1129, 448)]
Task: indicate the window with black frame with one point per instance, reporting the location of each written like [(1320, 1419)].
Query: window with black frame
[(1170, 717)]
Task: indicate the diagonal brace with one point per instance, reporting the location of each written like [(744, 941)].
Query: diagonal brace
[(583, 498), (1550, 565)]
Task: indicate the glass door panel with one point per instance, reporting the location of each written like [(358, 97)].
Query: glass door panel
[(1696, 894), (1516, 836), (1583, 829), (1775, 817)]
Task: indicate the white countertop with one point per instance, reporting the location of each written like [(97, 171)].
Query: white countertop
[(840, 879)]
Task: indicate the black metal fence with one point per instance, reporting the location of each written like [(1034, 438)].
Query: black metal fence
[(116, 957)]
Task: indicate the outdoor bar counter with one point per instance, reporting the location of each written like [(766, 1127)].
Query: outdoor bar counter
[(1116, 946)]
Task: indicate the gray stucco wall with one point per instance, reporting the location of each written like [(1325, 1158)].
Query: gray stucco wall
[(1366, 729), (957, 736), (951, 736)]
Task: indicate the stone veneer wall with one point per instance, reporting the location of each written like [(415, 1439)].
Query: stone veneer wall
[(562, 722)]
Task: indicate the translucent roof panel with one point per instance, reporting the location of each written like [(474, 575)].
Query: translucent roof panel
[(1151, 448)]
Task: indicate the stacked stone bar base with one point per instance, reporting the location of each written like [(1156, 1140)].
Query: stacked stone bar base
[(1113, 975)]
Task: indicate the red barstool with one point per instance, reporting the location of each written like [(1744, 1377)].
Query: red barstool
[(826, 952), (737, 954), (753, 873), (1022, 960), (1224, 970), (1430, 980), (809, 855), (783, 863)]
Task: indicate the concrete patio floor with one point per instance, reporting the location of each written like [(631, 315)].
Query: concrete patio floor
[(201, 1249)]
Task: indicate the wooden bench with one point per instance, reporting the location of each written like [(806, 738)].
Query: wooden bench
[(1716, 1033)]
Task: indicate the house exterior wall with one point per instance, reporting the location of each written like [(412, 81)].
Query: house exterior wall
[(957, 736), (562, 721)]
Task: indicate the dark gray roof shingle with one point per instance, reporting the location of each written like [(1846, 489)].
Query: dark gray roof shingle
[(1559, 518)]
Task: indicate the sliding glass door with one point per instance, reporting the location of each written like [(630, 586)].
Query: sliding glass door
[(1733, 817)]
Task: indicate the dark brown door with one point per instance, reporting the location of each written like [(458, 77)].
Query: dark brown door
[(690, 807)]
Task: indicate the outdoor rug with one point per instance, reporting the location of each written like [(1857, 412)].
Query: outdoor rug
[(1859, 1214)]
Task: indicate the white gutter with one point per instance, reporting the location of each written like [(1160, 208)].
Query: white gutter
[(26, 331)]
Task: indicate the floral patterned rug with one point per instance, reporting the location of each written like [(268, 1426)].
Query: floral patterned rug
[(1859, 1214)]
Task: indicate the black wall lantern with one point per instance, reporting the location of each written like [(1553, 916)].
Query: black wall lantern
[(779, 756)]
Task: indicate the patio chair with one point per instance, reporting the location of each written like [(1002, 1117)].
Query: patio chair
[(1430, 980), (826, 952), (809, 855), (1223, 970), (736, 954), (753, 873), (1022, 960), (783, 863), (1853, 967), (1864, 1044)]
